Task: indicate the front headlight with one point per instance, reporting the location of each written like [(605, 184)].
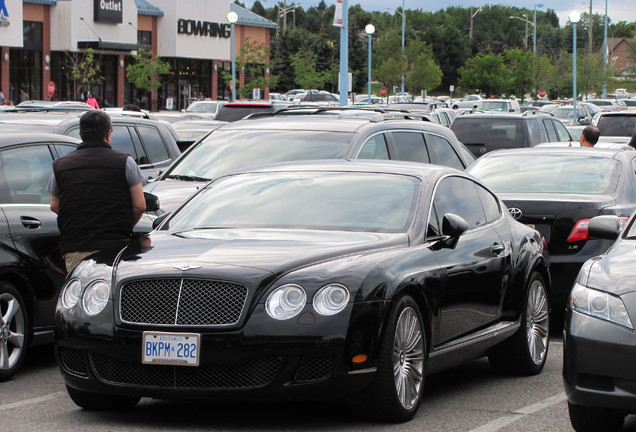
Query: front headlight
[(600, 305), (95, 297), (71, 293), (285, 302), (331, 299)]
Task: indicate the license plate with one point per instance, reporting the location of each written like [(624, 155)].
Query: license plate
[(176, 349)]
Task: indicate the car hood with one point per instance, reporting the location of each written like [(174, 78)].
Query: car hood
[(246, 254), (172, 193), (615, 272)]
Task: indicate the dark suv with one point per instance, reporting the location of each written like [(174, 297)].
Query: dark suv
[(308, 134), (486, 132)]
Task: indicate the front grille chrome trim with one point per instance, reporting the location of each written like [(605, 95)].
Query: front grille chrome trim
[(181, 302)]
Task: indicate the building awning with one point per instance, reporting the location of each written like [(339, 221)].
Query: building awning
[(249, 18), (145, 8), (108, 46), (44, 2)]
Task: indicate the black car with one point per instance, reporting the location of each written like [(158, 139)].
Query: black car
[(598, 335), (557, 191), (313, 280), (485, 132), (308, 134), (31, 269)]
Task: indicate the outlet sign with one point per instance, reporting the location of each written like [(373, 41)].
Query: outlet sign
[(108, 11)]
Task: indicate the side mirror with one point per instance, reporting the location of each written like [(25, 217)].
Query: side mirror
[(453, 225), (159, 220), (152, 202), (605, 227)]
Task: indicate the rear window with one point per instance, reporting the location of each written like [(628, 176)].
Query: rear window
[(576, 174), (617, 125), (231, 113), (495, 132)]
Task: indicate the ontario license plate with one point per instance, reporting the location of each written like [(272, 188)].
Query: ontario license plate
[(176, 349)]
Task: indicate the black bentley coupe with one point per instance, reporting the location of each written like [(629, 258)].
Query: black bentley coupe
[(318, 279)]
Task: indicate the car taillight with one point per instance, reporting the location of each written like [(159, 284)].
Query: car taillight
[(580, 233)]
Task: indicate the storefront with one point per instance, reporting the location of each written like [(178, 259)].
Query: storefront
[(45, 45)]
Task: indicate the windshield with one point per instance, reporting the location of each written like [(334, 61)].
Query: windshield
[(303, 200), (202, 107), (576, 174), (494, 106), (224, 151), (563, 112), (617, 125)]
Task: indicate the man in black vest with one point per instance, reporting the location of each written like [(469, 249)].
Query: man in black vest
[(96, 192)]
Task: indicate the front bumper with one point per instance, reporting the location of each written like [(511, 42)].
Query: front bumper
[(299, 358), (598, 363)]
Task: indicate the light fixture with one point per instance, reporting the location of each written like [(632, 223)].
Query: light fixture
[(121, 63), (47, 59), (6, 57), (215, 67)]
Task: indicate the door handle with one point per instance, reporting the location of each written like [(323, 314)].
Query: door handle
[(30, 222), (497, 248)]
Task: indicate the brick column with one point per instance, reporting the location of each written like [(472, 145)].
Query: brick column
[(46, 53), (215, 81), (121, 80), (4, 72)]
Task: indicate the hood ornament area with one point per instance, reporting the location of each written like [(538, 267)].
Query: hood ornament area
[(186, 267), (515, 212)]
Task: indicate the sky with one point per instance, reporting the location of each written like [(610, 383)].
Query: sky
[(618, 10)]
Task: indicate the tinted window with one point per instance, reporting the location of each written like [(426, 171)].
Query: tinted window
[(535, 133), (617, 125), (496, 132), (24, 174), (122, 141), (562, 132), (374, 148), (490, 204), (552, 136), (234, 113), (74, 133), (410, 147), (458, 195), (62, 149), (154, 145), (442, 152)]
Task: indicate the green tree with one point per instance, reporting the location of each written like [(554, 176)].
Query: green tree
[(252, 58), (521, 64), (390, 72), (590, 74), (304, 64), (485, 72), (84, 69), (146, 70), (422, 73)]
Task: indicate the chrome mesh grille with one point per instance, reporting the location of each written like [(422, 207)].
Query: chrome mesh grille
[(187, 302), (249, 374), (73, 361), (314, 368)]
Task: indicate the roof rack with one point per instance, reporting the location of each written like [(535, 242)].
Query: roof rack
[(370, 113), (537, 112)]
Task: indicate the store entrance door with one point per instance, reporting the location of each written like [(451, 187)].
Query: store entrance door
[(185, 93)]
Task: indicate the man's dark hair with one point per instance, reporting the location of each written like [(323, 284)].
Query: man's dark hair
[(94, 125), (591, 134)]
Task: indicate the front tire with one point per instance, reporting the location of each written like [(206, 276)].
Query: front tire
[(586, 419), (101, 402), (397, 391), (14, 330), (526, 351)]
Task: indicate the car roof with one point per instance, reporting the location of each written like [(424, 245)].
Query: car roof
[(15, 138), (563, 151)]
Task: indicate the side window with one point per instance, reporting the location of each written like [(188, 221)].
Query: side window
[(154, 145), (490, 203), (442, 152), (561, 131), (552, 136), (24, 174), (410, 146), (458, 195), (535, 135), (62, 149), (122, 141), (74, 133), (374, 148)]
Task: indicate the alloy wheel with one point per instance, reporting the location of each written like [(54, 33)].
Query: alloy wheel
[(408, 358)]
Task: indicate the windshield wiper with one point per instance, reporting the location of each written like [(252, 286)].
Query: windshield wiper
[(187, 178)]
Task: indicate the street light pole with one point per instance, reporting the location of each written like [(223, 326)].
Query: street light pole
[(605, 54), (575, 16), (534, 27), (344, 55), (232, 18), (403, 27), (472, 15), (369, 29)]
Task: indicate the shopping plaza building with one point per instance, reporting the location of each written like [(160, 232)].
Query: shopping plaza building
[(41, 41)]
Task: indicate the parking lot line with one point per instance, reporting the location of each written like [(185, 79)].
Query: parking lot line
[(501, 422), (31, 401)]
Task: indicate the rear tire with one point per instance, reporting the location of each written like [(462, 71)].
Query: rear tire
[(586, 419), (526, 351), (14, 330), (101, 402), (397, 391)]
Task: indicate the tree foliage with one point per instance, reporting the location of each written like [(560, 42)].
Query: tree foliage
[(84, 69), (145, 73)]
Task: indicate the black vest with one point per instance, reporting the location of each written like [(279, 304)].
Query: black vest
[(95, 208)]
